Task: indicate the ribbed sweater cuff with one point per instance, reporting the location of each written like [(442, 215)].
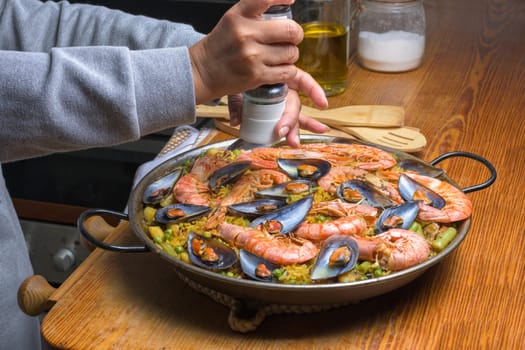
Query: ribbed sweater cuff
[(164, 90)]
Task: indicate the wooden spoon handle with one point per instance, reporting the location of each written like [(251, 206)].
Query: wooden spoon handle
[(218, 111), (359, 115)]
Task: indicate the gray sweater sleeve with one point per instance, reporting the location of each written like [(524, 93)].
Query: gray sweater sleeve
[(78, 76)]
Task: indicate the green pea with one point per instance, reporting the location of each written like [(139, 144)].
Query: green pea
[(277, 273), (378, 272), (157, 239), (179, 249), (321, 218), (168, 233)]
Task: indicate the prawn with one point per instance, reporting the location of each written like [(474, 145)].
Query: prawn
[(362, 156), (338, 175), (346, 225), (300, 153), (245, 187), (261, 158), (191, 190), (278, 249), (204, 166), (395, 249), (243, 190), (457, 205), (338, 208)]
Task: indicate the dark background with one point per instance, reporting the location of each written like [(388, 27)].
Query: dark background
[(202, 14)]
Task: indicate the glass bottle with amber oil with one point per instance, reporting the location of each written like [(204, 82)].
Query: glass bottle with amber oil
[(324, 50)]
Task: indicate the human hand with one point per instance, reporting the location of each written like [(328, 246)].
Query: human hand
[(244, 51)]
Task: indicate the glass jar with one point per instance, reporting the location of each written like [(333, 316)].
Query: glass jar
[(391, 35)]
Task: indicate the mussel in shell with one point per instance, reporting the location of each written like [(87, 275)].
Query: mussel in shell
[(161, 188), (338, 255), (227, 174), (358, 191), (282, 191), (256, 267), (305, 168), (257, 207), (398, 216), (410, 189), (180, 213), (284, 219), (209, 253)]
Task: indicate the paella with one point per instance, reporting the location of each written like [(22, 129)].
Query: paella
[(321, 213)]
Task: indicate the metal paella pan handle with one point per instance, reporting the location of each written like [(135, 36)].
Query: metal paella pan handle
[(116, 248), (474, 156)]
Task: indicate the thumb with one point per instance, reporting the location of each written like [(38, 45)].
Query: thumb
[(235, 109)]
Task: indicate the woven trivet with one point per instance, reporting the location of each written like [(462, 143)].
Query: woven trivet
[(246, 316)]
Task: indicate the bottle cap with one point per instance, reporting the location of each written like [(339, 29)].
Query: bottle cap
[(267, 94)]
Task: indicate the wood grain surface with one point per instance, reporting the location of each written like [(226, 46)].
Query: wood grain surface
[(469, 95)]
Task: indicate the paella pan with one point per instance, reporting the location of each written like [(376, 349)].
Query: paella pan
[(385, 233)]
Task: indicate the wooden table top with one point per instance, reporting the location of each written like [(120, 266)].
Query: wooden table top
[(469, 95)]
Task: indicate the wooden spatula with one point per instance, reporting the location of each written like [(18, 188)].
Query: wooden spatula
[(380, 116), (406, 139)]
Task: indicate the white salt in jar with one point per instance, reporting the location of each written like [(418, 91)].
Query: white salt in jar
[(391, 35)]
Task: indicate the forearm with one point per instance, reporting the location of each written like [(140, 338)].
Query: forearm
[(73, 98)]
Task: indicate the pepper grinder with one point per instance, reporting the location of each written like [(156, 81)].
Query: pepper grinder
[(263, 106)]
